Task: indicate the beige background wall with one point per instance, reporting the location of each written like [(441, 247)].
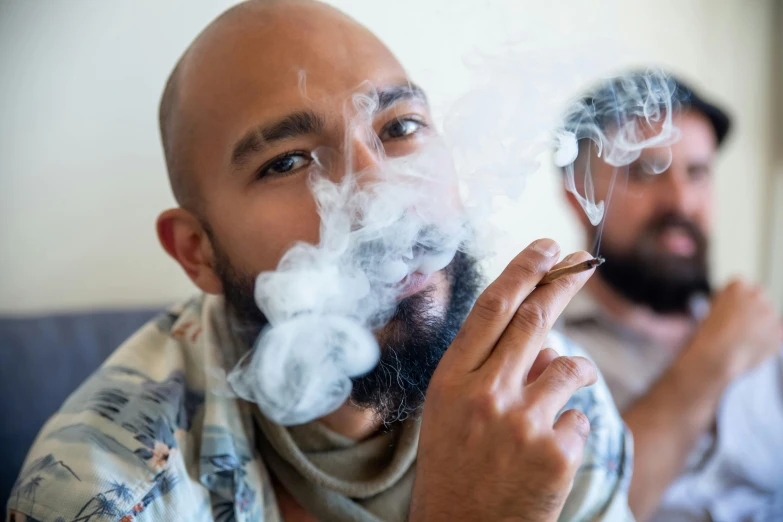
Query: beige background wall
[(774, 268), (81, 170)]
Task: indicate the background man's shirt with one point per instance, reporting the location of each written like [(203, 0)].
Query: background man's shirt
[(155, 435)]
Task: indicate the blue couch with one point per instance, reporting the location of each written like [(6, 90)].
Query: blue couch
[(42, 360)]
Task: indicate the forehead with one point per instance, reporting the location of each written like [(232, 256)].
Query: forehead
[(697, 139), (698, 135), (268, 61)]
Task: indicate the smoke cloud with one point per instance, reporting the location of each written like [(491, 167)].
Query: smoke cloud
[(407, 217), (622, 117)]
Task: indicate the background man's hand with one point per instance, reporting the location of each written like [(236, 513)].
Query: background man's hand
[(741, 331), (490, 448)]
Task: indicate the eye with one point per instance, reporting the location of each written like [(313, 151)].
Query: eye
[(288, 163), (401, 128), (638, 173), (698, 172)]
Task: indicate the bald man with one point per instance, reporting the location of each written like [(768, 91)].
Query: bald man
[(510, 431)]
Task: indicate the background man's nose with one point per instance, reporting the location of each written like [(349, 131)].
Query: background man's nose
[(676, 192)]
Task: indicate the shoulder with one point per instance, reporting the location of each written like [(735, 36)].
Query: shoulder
[(119, 444)]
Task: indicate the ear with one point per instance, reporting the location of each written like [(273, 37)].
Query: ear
[(183, 238)]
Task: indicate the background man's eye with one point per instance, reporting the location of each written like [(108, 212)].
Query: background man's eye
[(401, 128), (698, 172), (638, 173)]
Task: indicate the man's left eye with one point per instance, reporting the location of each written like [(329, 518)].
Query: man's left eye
[(401, 128)]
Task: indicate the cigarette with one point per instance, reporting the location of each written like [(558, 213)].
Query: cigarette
[(584, 266)]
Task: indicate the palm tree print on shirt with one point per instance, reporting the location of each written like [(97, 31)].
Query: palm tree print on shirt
[(38, 471)]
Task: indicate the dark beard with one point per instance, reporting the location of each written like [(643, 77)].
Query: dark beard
[(412, 343), (664, 282)]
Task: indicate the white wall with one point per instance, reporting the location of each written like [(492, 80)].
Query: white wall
[(81, 171), (774, 268)]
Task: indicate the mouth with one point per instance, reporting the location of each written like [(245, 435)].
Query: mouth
[(412, 284), (677, 241)]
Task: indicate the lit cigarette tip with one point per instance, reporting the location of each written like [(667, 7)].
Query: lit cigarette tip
[(584, 266), (598, 261)]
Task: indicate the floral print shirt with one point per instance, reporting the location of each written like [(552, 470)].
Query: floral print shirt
[(153, 435)]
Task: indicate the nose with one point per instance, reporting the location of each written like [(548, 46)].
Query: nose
[(363, 153), (676, 192)]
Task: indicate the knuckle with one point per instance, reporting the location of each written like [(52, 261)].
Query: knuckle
[(569, 368), (581, 423), (523, 268), (492, 305), (568, 284), (485, 405), (526, 426), (531, 316)]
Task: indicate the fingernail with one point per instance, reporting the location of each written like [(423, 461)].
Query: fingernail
[(547, 247)]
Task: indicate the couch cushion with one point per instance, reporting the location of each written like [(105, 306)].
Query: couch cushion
[(42, 360)]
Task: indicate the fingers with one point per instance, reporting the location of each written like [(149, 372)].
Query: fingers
[(527, 330), (545, 357), (572, 429), (496, 306), (558, 382)]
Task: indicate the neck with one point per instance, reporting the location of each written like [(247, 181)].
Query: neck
[(352, 422), (669, 330)]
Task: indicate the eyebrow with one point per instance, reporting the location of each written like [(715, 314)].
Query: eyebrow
[(303, 123), (396, 93), (296, 124)]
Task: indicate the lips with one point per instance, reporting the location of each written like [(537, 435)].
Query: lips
[(677, 241), (412, 284)]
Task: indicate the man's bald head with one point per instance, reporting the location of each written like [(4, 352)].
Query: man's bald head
[(176, 115), (172, 116), (235, 109), (167, 113)]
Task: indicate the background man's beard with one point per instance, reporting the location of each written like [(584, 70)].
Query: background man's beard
[(664, 282), (412, 343)]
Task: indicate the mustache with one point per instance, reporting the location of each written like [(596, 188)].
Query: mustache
[(663, 222)]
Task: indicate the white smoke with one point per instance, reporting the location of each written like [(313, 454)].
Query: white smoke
[(380, 230), (403, 220), (619, 119)]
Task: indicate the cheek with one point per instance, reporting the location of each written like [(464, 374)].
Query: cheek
[(626, 216), (705, 212), (257, 228)]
